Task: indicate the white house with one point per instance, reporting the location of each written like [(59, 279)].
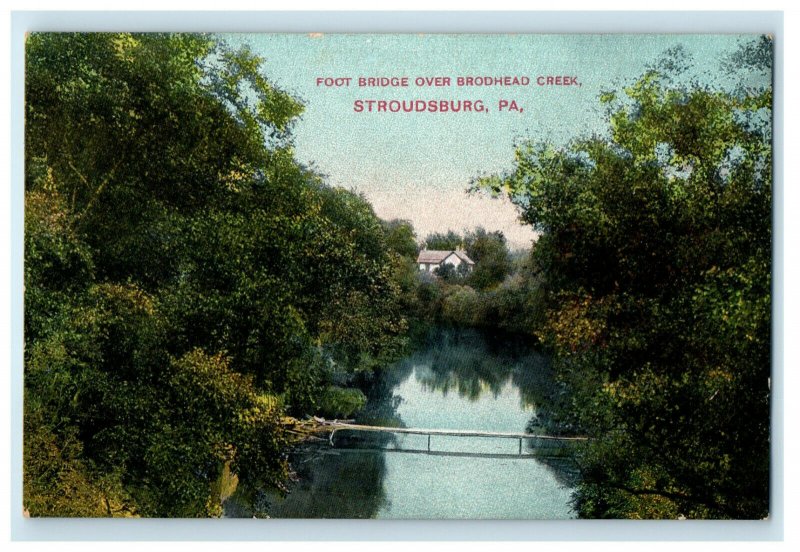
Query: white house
[(430, 260)]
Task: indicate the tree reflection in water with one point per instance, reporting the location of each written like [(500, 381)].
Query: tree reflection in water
[(472, 363), (349, 480)]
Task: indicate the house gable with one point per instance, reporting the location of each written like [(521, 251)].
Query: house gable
[(429, 260)]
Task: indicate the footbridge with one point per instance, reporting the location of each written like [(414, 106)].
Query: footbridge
[(547, 445)]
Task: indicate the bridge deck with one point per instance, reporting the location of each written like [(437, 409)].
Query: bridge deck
[(449, 432), (534, 455)]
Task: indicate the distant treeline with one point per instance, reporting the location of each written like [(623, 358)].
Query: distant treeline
[(501, 291)]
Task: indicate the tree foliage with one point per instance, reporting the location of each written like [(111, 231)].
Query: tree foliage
[(507, 291), (401, 238), (655, 253), (492, 260), (187, 282), (444, 241)]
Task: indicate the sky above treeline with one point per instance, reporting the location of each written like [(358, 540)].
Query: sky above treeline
[(417, 165)]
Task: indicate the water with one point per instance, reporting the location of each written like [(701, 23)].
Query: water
[(458, 380)]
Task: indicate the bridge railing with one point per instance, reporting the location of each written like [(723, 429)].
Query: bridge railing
[(541, 445)]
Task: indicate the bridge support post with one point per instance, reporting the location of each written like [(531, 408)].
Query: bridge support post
[(429, 442)]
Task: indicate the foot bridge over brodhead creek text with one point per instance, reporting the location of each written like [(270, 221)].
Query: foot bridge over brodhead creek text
[(537, 445)]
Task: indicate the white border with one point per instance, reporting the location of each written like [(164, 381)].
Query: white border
[(543, 22)]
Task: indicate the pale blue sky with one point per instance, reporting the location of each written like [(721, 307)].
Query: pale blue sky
[(417, 165)]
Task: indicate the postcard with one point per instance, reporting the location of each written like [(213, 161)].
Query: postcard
[(398, 276)]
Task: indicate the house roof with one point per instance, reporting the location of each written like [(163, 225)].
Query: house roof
[(433, 256), (464, 256)]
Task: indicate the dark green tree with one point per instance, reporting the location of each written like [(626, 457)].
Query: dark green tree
[(655, 253), (448, 241), (401, 238), (490, 253), (187, 282)]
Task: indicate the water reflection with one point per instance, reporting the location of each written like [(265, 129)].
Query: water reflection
[(335, 483), (455, 380), (473, 364)]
